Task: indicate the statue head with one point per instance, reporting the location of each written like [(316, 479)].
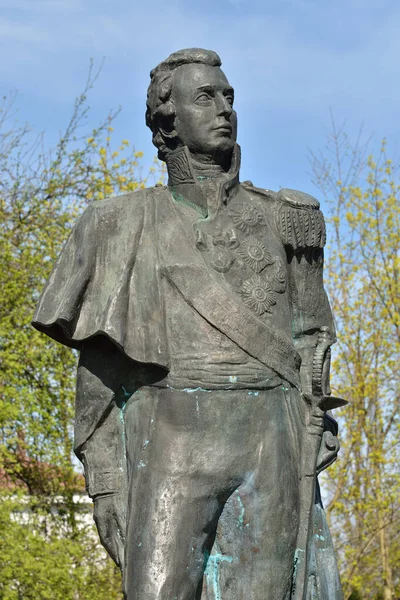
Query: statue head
[(190, 103)]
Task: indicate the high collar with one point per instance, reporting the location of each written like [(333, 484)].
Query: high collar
[(204, 187)]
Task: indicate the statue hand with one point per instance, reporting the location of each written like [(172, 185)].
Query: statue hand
[(328, 450), (110, 522)]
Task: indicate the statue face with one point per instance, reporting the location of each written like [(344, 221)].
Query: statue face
[(205, 121)]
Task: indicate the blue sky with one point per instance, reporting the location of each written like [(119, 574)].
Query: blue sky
[(290, 61)]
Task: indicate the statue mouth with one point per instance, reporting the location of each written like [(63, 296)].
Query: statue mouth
[(227, 127)]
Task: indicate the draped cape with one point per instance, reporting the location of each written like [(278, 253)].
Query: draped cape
[(106, 281)]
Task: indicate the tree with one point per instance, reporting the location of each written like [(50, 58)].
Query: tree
[(41, 194), (362, 278)]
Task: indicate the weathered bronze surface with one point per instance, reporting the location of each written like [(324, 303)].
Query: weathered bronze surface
[(204, 331)]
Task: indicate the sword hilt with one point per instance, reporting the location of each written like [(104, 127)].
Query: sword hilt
[(321, 355)]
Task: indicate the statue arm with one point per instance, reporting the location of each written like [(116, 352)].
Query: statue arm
[(103, 457), (105, 374), (301, 226), (311, 311), (99, 439)]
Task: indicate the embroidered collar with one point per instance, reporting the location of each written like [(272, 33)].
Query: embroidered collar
[(204, 187)]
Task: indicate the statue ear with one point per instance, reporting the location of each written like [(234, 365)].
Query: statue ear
[(168, 136)]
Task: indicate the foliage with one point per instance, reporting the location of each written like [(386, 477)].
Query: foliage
[(362, 277), (39, 562), (41, 194)]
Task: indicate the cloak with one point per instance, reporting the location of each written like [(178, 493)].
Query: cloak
[(106, 281)]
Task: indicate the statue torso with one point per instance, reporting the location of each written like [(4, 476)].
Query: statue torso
[(239, 249)]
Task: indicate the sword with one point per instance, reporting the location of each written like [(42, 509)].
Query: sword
[(318, 402)]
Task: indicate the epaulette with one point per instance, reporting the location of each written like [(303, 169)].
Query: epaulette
[(299, 220)]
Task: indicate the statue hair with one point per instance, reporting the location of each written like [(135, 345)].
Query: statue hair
[(160, 106)]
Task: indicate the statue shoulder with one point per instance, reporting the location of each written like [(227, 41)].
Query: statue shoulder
[(298, 199), (123, 202), (128, 208), (106, 218), (263, 193), (298, 219)]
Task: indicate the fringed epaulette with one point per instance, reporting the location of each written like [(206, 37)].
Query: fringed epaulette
[(299, 220)]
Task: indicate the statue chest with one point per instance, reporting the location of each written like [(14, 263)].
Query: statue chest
[(240, 248), (237, 252)]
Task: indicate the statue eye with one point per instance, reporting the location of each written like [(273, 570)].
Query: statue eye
[(203, 98)]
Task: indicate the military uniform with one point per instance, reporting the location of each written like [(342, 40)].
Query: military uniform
[(196, 308)]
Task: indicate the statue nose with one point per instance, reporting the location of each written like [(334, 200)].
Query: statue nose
[(223, 106)]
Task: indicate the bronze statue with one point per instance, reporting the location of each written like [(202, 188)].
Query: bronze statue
[(204, 331)]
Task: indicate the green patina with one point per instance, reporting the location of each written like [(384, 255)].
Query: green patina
[(127, 393), (212, 574), (179, 198)]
